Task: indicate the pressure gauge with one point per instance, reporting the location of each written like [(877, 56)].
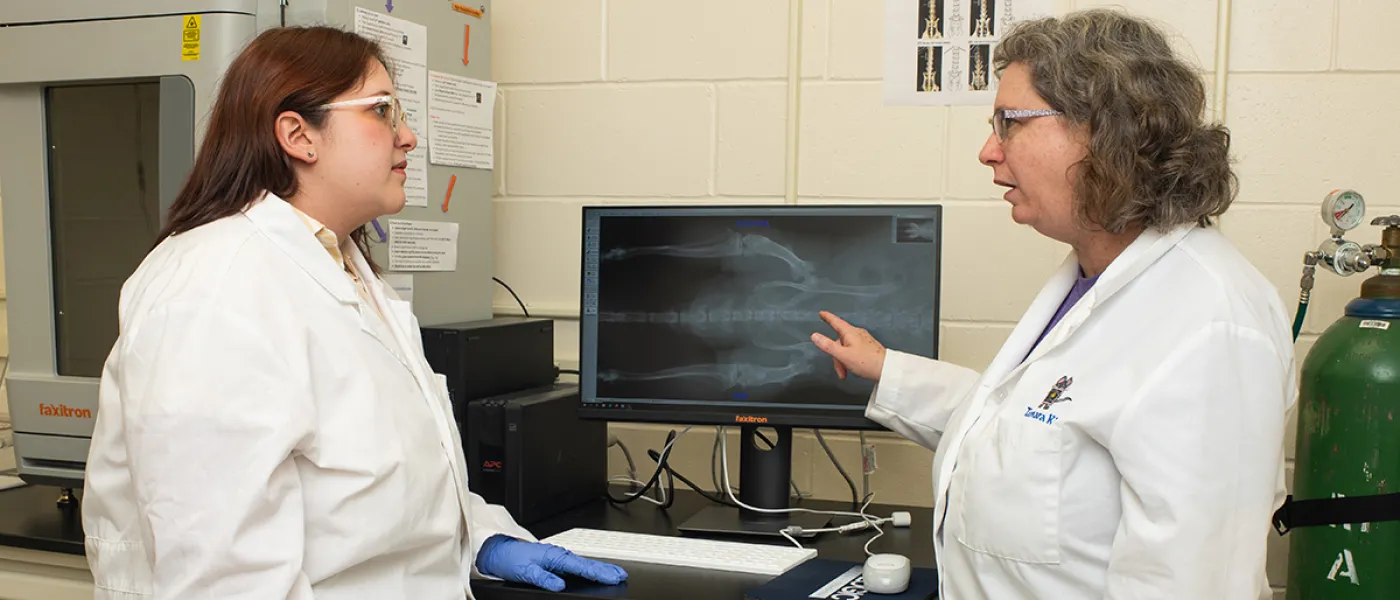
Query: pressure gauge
[(1343, 210)]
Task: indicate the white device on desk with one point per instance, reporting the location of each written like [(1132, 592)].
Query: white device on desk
[(886, 573), (739, 557)]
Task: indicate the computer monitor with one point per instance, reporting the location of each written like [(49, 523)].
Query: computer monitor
[(704, 316)]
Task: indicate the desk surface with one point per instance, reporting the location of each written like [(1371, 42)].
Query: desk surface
[(676, 583), (29, 518)]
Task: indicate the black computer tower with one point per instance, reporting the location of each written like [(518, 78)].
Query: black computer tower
[(491, 357), (531, 453)]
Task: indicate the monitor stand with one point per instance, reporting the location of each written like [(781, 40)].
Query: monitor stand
[(763, 483)]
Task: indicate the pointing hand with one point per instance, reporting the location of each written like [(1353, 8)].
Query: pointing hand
[(853, 351)]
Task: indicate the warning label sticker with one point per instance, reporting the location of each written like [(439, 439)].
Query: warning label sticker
[(189, 37)]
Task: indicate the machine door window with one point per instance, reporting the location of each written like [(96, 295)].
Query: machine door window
[(104, 208)]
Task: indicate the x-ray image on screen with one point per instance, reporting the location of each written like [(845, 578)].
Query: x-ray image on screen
[(721, 308)]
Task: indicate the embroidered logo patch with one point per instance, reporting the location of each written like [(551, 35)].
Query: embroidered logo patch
[(1055, 396)]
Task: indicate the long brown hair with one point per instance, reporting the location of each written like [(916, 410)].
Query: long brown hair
[(284, 69)]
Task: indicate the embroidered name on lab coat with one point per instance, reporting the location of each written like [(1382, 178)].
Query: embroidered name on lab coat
[(1055, 396)]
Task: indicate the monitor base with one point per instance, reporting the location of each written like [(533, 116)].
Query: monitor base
[(723, 520)]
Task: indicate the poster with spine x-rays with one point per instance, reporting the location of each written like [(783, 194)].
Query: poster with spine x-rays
[(939, 52)]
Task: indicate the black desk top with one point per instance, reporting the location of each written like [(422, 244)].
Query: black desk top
[(30, 518), (679, 583)]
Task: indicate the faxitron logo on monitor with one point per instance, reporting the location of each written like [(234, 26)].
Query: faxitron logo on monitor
[(749, 419)]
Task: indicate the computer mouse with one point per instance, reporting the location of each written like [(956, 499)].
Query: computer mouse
[(886, 574)]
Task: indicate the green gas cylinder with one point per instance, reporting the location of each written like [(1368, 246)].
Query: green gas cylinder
[(1349, 446)]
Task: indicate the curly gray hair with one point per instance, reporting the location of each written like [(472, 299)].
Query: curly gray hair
[(1152, 161)]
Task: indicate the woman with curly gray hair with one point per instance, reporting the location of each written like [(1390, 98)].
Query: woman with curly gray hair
[(1127, 441)]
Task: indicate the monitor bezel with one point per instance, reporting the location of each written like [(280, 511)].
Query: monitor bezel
[(721, 415)]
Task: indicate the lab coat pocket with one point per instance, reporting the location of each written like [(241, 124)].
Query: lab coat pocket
[(1010, 504), (119, 568)]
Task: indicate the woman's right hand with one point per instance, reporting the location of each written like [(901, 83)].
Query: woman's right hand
[(854, 350)]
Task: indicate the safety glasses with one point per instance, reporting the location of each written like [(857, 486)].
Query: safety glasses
[(387, 107)]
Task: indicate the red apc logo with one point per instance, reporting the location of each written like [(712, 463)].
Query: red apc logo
[(492, 464), (62, 410)]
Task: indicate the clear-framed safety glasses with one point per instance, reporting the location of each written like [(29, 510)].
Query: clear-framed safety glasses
[(388, 107)]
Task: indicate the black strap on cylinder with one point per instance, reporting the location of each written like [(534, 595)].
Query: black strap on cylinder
[(1336, 511)]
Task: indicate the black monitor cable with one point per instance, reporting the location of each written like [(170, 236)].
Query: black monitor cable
[(672, 470), (662, 468), (517, 298), (855, 498)]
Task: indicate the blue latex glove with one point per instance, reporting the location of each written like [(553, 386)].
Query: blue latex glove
[(541, 564)]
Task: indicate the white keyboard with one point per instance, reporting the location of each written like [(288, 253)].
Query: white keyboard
[(740, 557)]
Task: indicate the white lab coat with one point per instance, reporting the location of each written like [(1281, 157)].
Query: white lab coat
[(1154, 475), (263, 434)]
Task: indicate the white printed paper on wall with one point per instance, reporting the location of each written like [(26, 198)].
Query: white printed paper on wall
[(460, 113), (939, 52), (405, 45), (422, 245)]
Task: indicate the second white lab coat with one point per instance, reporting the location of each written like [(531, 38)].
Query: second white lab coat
[(1150, 471), (262, 433)]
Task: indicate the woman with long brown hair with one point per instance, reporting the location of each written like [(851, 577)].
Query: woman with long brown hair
[(268, 426)]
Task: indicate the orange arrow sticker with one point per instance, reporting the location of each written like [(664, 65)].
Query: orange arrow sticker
[(466, 43), (447, 199), (467, 10)]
